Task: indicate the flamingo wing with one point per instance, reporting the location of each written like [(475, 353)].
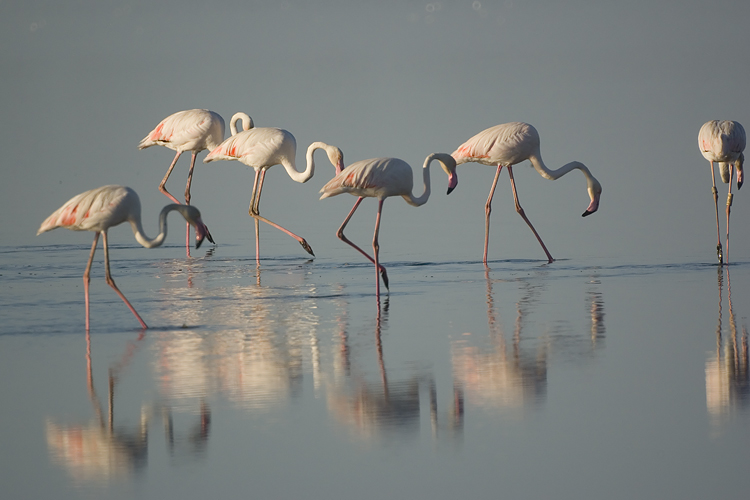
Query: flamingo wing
[(721, 140), (376, 177), (256, 147), (506, 144), (186, 131), (95, 210)]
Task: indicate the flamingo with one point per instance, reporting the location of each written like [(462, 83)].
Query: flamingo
[(191, 130), (101, 208), (511, 143), (723, 141), (261, 148), (380, 178)]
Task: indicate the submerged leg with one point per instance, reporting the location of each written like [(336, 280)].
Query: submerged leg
[(340, 235), (87, 279), (255, 213), (719, 253), (162, 186), (520, 211), (487, 211), (111, 282)]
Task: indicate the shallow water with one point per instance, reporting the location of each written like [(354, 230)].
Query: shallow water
[(579, 379)]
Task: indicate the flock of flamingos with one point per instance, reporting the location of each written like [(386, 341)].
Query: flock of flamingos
[(194, 130)]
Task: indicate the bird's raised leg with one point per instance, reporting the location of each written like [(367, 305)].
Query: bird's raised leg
[(487, 211), (719, 253), (729, 204), (162, 186), (111, 282), (86, 277), (376, 247), (255, 213), (340, 235), (520, 211)]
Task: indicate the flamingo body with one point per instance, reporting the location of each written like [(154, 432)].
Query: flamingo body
[(190, 130), (723, 142), (99, 209), (381, 178), (261, 148), (511, 143)]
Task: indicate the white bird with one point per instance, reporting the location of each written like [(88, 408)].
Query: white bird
[(192, 130), (511, 143), (723, 141), (101, 208), (261, 148), (380, 178)]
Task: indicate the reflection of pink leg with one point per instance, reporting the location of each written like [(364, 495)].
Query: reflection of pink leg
[(487, 211), (340, 235), (520, 211), (111, 282), (255, 213), (86, 277)]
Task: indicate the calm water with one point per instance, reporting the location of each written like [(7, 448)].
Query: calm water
[(580, 379)]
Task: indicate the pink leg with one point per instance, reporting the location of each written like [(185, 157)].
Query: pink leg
[(253, 208), (187, 201), (729, 204), (523, 215), (487, 211), (719, 252), (86, 277), (111, 282), (255, 213), (340, 235), (376, 247), (162, 186)]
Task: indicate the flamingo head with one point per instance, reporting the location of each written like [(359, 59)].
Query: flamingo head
[(336, 158), (595, 192), (201, 233), (740, 172), (448, 163), (193, 216)]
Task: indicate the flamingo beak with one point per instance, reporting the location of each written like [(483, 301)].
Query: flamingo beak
[(452, 182), (201, 233), (594, 205)]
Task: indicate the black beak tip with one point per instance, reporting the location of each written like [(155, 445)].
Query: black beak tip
[(450, 190), (586, 213)]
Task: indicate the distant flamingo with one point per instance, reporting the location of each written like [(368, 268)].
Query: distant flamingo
[(262, 148), (506, 145), (101, 208), (192, 130), (723, 142), (380, 178)]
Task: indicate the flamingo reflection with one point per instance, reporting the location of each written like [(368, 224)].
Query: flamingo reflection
[(385, 408), (96, 452), (727, 375)]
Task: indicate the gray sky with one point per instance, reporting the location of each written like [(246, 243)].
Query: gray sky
[(620, 86)]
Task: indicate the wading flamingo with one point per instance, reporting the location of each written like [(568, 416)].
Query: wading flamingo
[(191, 130), (101, 208), (261, 148), (506, 145), (723, 141), (380, 178)]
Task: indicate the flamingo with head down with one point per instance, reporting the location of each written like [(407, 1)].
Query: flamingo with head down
[(99, 209)]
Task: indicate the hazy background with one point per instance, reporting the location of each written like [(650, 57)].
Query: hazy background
[(620, 86)]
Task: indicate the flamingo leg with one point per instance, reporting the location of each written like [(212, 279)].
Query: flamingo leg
[(187, 201), (111, 282), (487, 211), (376, 247), (255, 213), (719, 252), (521, 212), (254, 207), (729, 205), (86, 277), (162, 186), (340, 235)]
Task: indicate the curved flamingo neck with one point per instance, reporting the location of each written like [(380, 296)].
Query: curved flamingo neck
[(147, 242), (334, 155), (447, 161), (247, 122), (593, 185)]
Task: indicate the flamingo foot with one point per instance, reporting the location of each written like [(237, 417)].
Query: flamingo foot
[(384, 275), (307, 247), (720, 254)]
